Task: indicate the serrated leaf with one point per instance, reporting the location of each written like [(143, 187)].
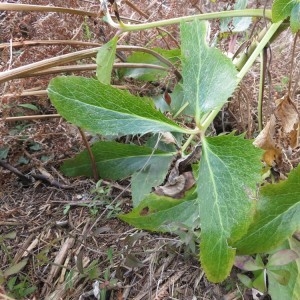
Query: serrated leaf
[(292, 289), (162, 213), (105, 60), (103, 109), (114, 160), (277, 216), (152, 175), (281, 9), (14, 269), (228, 174), (147, 74), (295, 18), (209, 77)]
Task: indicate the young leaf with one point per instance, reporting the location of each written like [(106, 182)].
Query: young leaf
[(105, 60), (228, 174), (147, 74), (277, 216), (153, 174), (114, 160), (281, 9), (209, 77), (292, 289), (247, 263), (282, 257), (103, 109), (162, 213)]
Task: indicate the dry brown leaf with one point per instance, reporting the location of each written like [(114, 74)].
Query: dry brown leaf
[(280, 133)]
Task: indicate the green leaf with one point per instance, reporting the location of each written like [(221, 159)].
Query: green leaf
[(103, 109), (14, 269), (105, 60), (147, 74), (209, 77), (237, 24), (281, 9), (4, 152), (114, 160), (245, 280), (282, 257), (162, 213), (11, 235), (153, 174), (277, 216), (295, 18), (281, 276), (247, 263), (178, 103), (292, 289), (228, 174), (260, 281), (29, 106)]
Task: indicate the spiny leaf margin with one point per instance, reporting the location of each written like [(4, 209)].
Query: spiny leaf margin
[(103, 109), (226, 187)]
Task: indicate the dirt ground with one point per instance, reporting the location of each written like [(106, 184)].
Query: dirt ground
[(65, 230)]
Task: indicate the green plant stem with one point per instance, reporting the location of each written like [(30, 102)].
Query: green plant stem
[(209, 16), (265, 40), (260, 92), (188, 141)]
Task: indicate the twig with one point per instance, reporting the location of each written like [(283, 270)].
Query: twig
[(25, 118), (47, 42), (26, 180)]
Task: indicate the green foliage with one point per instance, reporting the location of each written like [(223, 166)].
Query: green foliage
[(295, 17), (287, 8), (236, 24), (203, 69), (162, 213), (277, 216), (105, 60), (280, 272), (228, 174), (19, 287), (225, 200), (103, 109), (147, 74), (115, 160)]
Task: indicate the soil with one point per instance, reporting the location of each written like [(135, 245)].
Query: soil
[(65, 230)]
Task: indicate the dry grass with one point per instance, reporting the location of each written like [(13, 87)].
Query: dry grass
[(66, 233)]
